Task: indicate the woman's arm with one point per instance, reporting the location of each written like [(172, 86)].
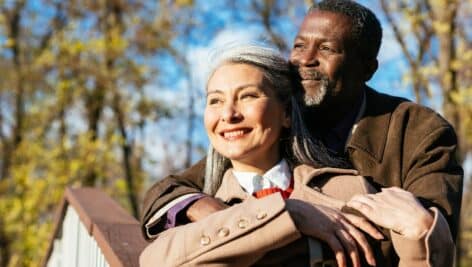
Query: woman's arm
[(237, 236)]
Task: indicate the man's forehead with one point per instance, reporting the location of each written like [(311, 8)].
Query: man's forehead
[(330, 22), (328, 16)]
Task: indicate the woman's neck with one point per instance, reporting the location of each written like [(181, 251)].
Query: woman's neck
[(259, 167)]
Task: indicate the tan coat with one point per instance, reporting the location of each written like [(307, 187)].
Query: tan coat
[(395, 143), (261, 231)]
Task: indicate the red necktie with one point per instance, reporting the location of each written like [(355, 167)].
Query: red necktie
[(268, 191)]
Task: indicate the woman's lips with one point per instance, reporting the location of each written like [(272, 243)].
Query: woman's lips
[(234, 134)]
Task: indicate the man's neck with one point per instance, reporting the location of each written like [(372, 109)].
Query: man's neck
[(334, 128), (330, 113)]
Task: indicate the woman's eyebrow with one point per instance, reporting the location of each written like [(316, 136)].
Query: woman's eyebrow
[(239, 88)]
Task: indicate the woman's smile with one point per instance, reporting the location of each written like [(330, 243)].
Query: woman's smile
[(243, 116), (235, 134)]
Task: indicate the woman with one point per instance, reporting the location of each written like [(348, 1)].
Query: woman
[(255, 128)]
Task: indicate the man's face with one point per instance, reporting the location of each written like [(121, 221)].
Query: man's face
[(325, 60)]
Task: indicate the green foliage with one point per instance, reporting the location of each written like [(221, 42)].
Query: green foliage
[(438, 51), (72, 102)]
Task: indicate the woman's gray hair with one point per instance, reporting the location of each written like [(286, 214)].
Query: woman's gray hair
[(301, 146), (276, 71), (274, 66)]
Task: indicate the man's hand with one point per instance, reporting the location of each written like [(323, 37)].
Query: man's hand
[(395, 209), (204, 207), (333, 227)]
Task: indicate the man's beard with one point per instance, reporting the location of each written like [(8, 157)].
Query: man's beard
[(315, 99)]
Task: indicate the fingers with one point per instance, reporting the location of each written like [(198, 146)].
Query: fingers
[(362, 242), (334, 228), (349, 245), (362, 203), (365, 225), (346, 241), (338, 250)]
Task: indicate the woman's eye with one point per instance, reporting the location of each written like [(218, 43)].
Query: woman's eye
[(213, 101), (249, 96), (298, 46)]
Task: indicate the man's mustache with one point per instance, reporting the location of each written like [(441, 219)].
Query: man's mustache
[(309, 74)]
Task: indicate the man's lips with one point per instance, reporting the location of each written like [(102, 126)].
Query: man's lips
[(310, 75), (232, 134)]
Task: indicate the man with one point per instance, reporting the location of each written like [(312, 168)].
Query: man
[(390, 140)]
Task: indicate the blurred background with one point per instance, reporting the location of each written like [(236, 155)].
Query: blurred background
[(110, 93)]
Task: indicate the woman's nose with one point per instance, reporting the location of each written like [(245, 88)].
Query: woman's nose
[(231, 114)]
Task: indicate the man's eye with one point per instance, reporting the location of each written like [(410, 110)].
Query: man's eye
[(326, 48)]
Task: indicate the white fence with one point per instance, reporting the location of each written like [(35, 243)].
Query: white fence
[(92, 230), (76, 248)]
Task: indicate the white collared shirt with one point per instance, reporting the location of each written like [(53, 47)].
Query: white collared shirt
[(278, 176)]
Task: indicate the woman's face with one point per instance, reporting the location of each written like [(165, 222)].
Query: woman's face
[(244, 118)]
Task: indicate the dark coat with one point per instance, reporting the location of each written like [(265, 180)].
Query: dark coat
[(395, 143)]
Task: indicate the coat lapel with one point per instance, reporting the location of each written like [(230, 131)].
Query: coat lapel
[(330, 187), (231, 189), (371, 131)]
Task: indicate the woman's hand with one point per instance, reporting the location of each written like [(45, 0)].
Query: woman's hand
[(331, 226), (395, 209)]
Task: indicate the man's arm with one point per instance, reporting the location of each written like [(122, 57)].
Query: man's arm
[(165, 194), (431, 171)]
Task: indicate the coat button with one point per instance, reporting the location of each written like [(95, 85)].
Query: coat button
[(204, 240), (223, 232), (261, 215), (243, 223)]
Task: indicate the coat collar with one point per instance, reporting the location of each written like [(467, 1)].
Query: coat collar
[(231, 189), (278, 176), (369, 134), (309, 184)]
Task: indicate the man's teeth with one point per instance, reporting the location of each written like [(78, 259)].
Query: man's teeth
[(233, 134)]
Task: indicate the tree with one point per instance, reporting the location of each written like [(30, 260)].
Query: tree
[(433, 38), (73, 108), (437, 50)]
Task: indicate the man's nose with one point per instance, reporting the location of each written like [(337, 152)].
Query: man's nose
[(309, 58), (231, 113)]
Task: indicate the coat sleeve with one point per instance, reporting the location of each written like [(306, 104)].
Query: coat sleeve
[(430, 169), (434, 249), (237, 236), (166, 193)]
